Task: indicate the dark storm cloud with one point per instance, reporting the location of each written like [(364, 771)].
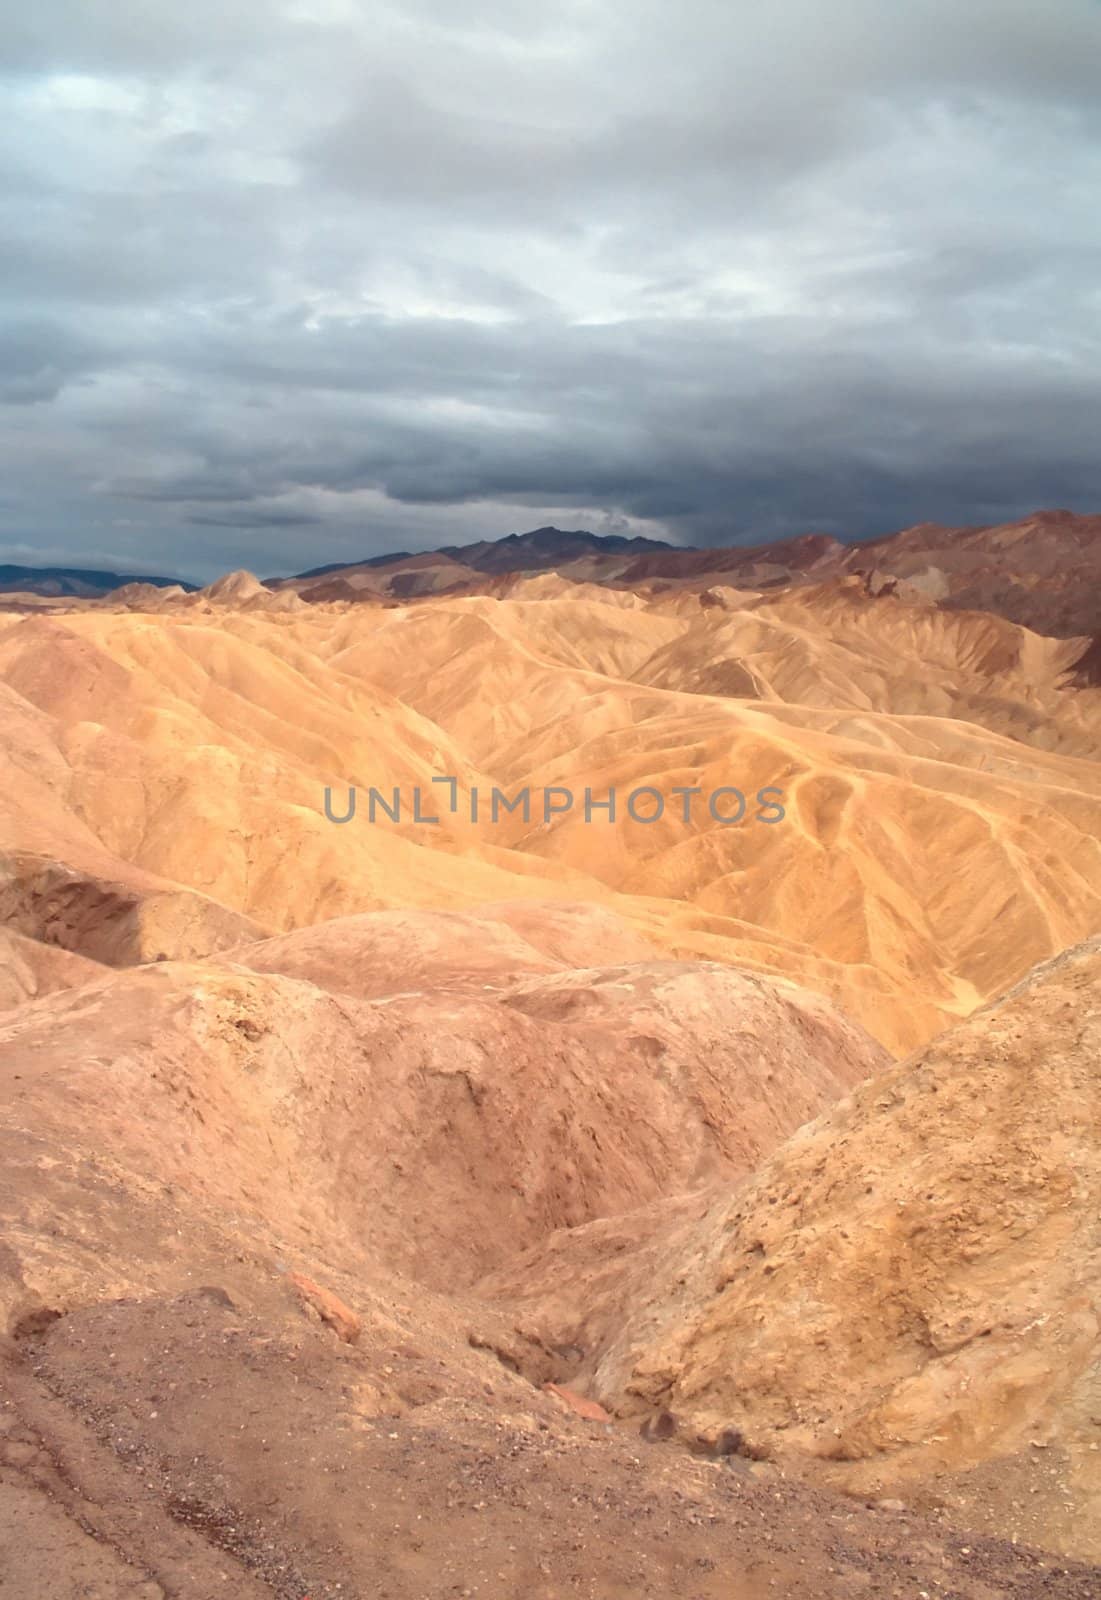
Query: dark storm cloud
[(408, 274), (253, 517)]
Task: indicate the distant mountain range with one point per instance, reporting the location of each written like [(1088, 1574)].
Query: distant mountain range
[(517, 552), (1043, 571), (80, 583)]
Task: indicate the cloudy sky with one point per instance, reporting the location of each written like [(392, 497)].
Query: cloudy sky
[(283, 283)]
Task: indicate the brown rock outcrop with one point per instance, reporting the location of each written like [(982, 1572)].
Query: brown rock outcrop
[(906, 1287)]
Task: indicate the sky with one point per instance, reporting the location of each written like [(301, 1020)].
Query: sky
[(286, 283)]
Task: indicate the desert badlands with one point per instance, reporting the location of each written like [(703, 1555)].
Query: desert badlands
[(411, 1189)]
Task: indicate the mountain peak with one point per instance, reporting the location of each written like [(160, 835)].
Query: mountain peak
[(546, 547)]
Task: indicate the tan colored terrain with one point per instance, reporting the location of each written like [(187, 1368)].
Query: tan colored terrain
[(231, 1201), (943, 811), (327, 1147), (446, 1125), (906, 1291)]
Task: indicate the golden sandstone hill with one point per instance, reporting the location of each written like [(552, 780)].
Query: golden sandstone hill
[(328, 1145), (942, 806)]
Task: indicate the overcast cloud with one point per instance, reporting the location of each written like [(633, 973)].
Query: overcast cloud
[(287, 283)]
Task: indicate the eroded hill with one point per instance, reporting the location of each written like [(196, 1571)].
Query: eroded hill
[(903, 1296), (327, 1147), (942, 810), (241, 1218)]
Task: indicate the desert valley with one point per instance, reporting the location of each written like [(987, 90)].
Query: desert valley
[(526, 1203)]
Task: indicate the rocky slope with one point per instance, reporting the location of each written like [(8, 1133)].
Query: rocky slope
[(903, 1295), (529, 1205), (441, 1127), (239, 1211)]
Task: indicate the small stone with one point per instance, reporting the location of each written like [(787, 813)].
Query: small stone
[(329, 1307), (661, 1426), (570, 1400)]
